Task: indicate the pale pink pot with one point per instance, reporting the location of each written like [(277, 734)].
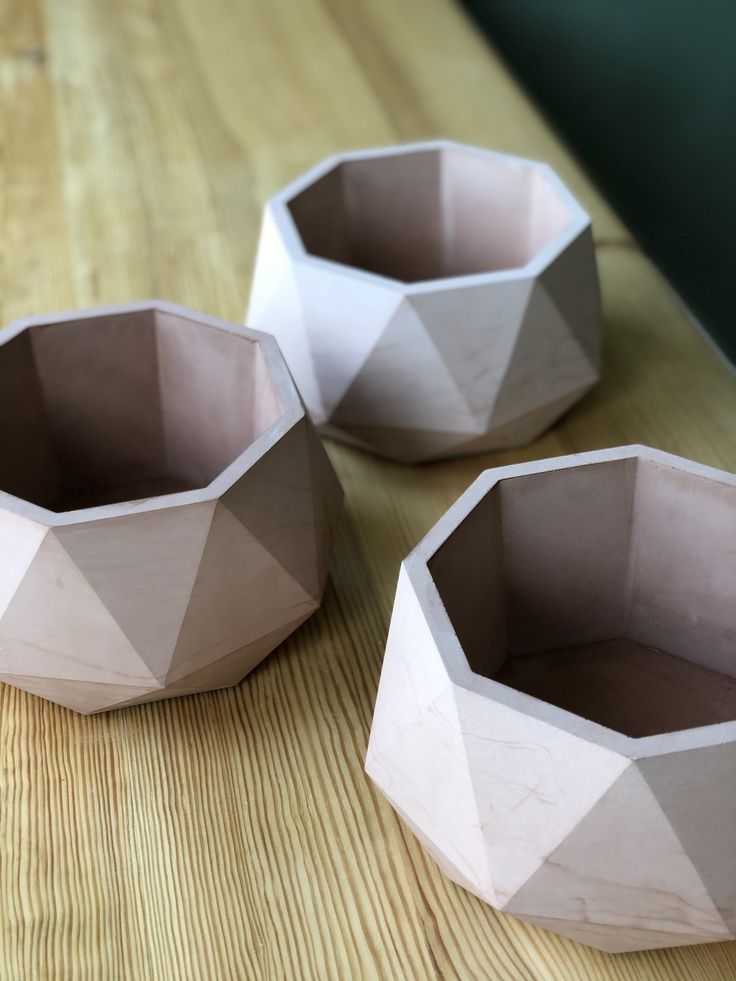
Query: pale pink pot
[(166, 507), (556, 716), (431, 300)]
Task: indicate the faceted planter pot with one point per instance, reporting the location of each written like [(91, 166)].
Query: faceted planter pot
[(166, 508), (431, 300), (556, 713)]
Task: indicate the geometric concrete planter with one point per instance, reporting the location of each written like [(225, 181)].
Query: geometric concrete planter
[(556, 717), (166, 508), (431, 300)]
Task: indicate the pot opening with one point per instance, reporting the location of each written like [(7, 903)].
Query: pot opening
[(604, 590), (430, 214), (126, 406)]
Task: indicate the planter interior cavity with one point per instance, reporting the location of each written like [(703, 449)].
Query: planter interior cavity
[(605, 590), (430, 214), (104, 409)]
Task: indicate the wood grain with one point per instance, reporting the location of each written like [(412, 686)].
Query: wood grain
[(234, 835)]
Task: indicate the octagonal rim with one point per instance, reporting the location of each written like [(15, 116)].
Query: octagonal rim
[(278, 205), (292, 412), (451, 651)]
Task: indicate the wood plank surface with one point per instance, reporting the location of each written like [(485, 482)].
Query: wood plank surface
[(234, 835)]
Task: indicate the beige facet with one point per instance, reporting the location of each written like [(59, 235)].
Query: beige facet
[(166, 509), (419, 721), (556, 716), (431, 300)]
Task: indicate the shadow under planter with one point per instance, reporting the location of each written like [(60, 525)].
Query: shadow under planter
[(166, 509), (431, 300), (556, 716)]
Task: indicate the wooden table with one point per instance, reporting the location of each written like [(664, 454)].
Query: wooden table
[(234, 835)]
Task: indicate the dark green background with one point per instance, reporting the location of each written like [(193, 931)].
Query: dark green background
[(644, 91)]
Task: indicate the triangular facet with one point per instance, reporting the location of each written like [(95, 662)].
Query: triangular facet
[(232, 668), (613, 939), (271, 263), (20, 540), (228, 671), (416, 753), (405, 445), (81, 696), (438, 856), (520, 432), (548, 364), (474, 329), (413, 446), (571, 282), (327, 498), (57, 626), (622, 865), (703, 816), (273, 500), (143, 566), (344, 317), (275, 306), (425, 397), (241, 594), (533, 784)]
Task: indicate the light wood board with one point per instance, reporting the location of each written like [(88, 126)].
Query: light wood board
[(234, 835)]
